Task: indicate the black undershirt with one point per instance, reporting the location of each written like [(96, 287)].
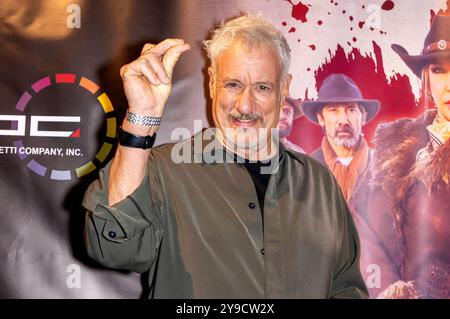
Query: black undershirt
[(259, 180)]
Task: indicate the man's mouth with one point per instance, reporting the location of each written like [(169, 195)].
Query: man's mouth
[(244, 122), (344, 133), (448, 102)]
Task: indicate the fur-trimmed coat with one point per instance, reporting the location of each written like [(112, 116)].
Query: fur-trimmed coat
[(408, 206)]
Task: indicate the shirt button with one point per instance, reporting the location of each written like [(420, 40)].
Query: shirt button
[(112, 234), (262, 251), (252, 205)]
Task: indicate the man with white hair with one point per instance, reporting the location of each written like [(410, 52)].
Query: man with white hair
[(222, 228)]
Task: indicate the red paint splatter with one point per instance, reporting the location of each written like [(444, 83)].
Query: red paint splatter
[(440, 12), (308, 69), (319, 22), (313, 47), (351, 29), (361, 24), (299, 11), (284, 23), (371, 28), (351, 18), (343, 11), (363, 6), (432, 15), (329, 13), (388, 5), (397, 100), (335, 3), (291, 30), (446, 12), (298, 40), (354, 39), (349, 44)]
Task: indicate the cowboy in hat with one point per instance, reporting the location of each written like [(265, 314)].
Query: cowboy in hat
[(341, 111), (289, 112), (408, 206)]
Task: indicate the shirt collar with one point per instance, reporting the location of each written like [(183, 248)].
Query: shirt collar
[(294, 155), (439, 132)]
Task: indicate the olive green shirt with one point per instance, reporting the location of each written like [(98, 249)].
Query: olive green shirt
[(197, 228)]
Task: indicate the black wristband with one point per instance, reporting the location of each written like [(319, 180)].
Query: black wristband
[(131, 140)]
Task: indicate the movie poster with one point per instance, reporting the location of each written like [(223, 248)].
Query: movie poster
[(369, 98)]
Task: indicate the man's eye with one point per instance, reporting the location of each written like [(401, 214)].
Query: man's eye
[(231, 85), (263, 88), (438, 70)]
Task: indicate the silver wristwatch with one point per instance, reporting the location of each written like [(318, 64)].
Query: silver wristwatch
[(143, 120)]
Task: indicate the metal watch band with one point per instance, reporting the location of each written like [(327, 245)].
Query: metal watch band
[(143, 120), (131, 140)]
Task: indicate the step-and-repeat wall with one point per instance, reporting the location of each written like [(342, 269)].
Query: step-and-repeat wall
[(62, 101)]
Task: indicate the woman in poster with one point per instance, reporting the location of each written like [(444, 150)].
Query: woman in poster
[(409, 207)]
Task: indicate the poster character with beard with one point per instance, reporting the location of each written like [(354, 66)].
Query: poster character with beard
[(341, 111), (289, 112)]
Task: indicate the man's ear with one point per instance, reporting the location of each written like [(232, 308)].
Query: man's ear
[(320, 118), (212, 89), (286, 86), (363, 117)]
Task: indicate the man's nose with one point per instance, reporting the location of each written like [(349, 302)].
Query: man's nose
[(245, 101), (343, 117)]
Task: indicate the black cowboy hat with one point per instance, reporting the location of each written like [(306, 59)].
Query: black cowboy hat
[(295, 104), (339, 88), (436, 46)]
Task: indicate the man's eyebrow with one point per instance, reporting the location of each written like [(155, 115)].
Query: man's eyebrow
[(269, 83), (265, 82), (230, 80)]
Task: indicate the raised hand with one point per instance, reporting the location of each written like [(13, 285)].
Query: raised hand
[(147, 80)]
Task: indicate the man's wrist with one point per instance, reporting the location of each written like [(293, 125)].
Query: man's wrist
[(142, 119), (153, 111), (135, 128), (136, 141), (138, 129)]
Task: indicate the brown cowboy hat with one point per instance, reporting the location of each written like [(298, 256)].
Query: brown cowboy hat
[(339, 88), (295, 104), (436, 46)]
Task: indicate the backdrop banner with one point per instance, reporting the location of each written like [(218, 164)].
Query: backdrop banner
[(62, 102)]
